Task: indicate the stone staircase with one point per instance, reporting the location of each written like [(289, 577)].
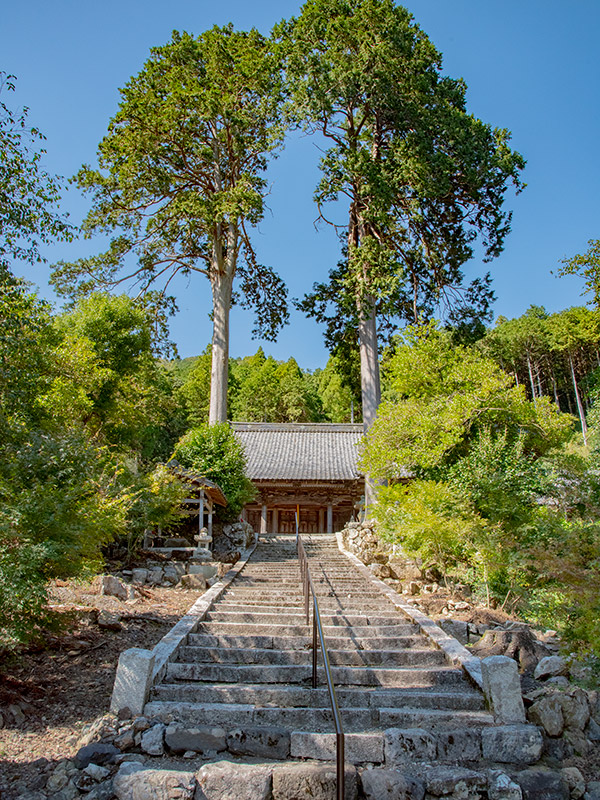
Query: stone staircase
[(242, 681)]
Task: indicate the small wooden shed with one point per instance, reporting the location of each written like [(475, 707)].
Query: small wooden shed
[(203, 495)]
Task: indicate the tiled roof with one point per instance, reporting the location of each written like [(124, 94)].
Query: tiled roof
[(300, 450), (194, 479)]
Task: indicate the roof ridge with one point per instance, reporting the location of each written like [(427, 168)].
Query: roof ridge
[(313, 427)]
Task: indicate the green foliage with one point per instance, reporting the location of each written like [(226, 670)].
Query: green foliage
[(501, 496), (423, 178), (587, 265), (443, 395), (215, 453), (437, 523), (29, 195)]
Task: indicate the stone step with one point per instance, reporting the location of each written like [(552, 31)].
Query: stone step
[(238, 715), (413, 653), (356, 658), (297, 674), (360, 632), (258, 606), (290, 618), (297, 696), (301, 642)]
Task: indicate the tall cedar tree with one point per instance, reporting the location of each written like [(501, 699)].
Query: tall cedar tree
[(421, 177), (180, 181)]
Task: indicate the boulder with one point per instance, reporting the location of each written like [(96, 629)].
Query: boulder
[(542, 784), (152, 741), (137, 782), (110, 585), (139, 576), (550, 667), (575, 781), (310, 782), (225, 780), (547, 713), (575, 709), (98, 753), (502, 787), (387, 784), (195, 581)]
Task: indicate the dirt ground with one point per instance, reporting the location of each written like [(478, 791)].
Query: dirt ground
[(47, 694)]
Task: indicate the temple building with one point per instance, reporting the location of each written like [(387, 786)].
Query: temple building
[(304, 468)]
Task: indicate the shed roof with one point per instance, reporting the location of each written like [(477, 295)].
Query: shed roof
[(300, 450), (197, 481)]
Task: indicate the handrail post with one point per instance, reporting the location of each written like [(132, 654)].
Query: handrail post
[(314, 645), (340, 757)]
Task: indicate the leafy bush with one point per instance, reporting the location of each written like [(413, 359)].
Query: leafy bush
[(216, 453)]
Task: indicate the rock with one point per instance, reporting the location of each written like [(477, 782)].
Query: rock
[(155, 576), (512, 744), (578, 741), (125, 740), (225, 780), (112, 586), (462, 606), (558, 680), (271, 743), (180, 738), (542, 784), (387, 784), (17, 712), (109, 620), (575, 709), (446, 780), (56, 782), (196, 582), (549, 667), (153, 740), (575, 781), (97, 772), (139, 576), (502, 689), (136, 782), (593, 791), (456, 628), (414, 588), (547, 713), (310, 782), (459, 745), (593, 730), (103, 791), (501, 787), (381, 571), (99, 753), (409, 745)]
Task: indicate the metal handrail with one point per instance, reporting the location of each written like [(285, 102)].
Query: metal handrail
[(317, 629)]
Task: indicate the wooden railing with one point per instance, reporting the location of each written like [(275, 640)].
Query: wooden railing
[(318, 636)]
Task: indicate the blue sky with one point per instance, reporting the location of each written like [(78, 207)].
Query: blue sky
[(530, 66)]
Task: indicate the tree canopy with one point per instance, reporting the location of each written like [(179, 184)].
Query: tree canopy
[(421, 177), (180, 183)]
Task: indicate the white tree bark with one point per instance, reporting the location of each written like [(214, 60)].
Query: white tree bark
[(221, 279), (369, 359)]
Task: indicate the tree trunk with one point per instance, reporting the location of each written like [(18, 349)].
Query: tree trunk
[(222, 276), (579, 403), (369, 359), (531, 378)]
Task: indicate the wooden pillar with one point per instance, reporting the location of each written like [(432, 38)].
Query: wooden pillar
[(321, 520), (210, 517), (201, 511), (329, 518), (244, 515), (263, 519), (275, 521)]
